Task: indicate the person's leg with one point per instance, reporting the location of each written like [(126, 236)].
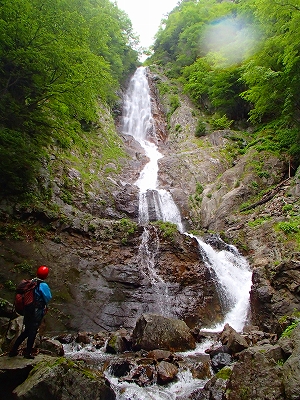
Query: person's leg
[(32, 331)]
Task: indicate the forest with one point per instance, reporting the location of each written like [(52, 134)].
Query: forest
[(238, 61), (61, 60)]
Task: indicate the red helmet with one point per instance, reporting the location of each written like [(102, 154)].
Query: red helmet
[(42, 272)]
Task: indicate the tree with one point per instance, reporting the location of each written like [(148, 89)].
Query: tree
[(54, 68)]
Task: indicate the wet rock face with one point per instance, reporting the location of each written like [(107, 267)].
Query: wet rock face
[(275, 291), (106, 284)]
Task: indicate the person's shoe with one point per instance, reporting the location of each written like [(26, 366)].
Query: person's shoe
[(13, 353), (29, 356)]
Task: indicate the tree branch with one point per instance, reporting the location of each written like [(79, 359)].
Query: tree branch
[(267, 197)]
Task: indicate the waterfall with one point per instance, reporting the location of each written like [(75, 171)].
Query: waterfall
[(228, 268), (231, 270), (233, 281), (147, 265), (154, 203)]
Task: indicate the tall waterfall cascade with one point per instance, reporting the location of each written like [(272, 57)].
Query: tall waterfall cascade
[(138, 122), (231, 270)]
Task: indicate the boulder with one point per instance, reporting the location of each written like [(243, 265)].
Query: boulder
[(166, 372), (275, 292), (198, 364), (156, 332), (234, 341), (12, 331), (220, 360), (14, 371), (62, 380), (119, 342), (54, 347), (215, 388), (257, 375), (83, 337), (291, 368), (160, 355)]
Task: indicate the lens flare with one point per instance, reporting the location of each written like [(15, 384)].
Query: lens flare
[(229, 41)]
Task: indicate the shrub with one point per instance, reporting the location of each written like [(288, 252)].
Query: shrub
[(200, 129), (288, 331), (168, 228), (221, 123), (174, 103), (289, 227)]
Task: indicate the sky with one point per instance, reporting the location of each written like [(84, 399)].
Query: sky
[(146, 16)]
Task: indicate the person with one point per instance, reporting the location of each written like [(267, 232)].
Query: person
[(34, 316)]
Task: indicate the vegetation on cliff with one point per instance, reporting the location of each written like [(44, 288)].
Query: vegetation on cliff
[(238, 61), (60, 61)]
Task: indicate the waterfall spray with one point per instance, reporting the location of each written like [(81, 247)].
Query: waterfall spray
[(231, 270)]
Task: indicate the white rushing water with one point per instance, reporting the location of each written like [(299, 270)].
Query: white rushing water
[(232, 272), (230, 269), (138, 122), (233, 282)]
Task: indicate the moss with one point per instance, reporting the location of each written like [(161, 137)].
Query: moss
[(168, 229), (244, 393), (224, 373)]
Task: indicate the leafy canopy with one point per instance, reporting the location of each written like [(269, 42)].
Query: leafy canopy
[(240, 59), (58, 59)]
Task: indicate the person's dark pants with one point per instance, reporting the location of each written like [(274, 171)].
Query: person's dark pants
[(32, 322), (29, 333)]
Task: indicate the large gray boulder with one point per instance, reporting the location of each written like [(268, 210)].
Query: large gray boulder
[(63, 380), (156, 332)]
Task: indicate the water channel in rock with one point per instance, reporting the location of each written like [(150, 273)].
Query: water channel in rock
[(231, 271)]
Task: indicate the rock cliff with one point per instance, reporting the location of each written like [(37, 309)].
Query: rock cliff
[(94, 246)]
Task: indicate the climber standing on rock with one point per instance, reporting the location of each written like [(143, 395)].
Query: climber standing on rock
[(34, 313)]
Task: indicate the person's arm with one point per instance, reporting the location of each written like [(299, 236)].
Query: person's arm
[(45, 291)]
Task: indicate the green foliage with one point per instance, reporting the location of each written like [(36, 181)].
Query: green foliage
[(287, 208), (199, 188), (19, 160), (239, 59), (10, 285), (168, 229), (174, 103), (221, 123), (126, 225), (11, 231), (25, 266), (288, 331), (127, 228), (290, 227), (163, 88), (178, 128), (258, 222), (57, 59), (3, 303), (200, 129), (291, 230)]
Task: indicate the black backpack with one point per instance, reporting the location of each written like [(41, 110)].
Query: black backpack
[(25, 298)]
